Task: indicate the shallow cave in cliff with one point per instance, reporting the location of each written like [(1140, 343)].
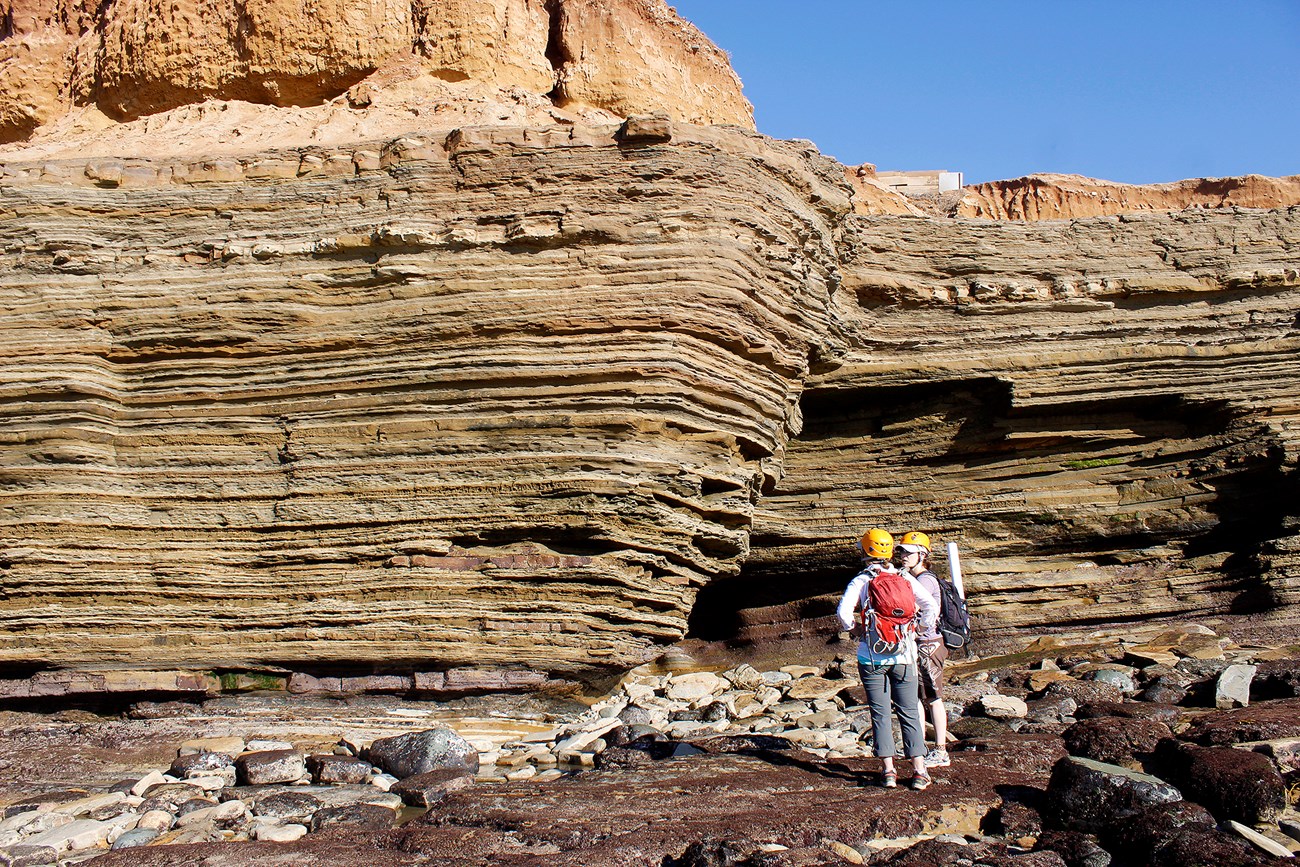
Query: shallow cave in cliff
[(1147, 508)]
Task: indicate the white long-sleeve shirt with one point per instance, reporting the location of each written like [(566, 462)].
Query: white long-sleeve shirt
[(855, 597)]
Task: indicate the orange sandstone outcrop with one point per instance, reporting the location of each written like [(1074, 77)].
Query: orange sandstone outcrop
[(140, 57), (1067, 197)]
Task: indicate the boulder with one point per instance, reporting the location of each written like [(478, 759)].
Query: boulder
[(136, 837), (420, 752), (695, 686), (327, 769), (279, 833), (1089, 796), (1262, 722), (1230, 783), (1003, 707), (202, 762), (271, 766), (1232, 689), (812, 687), (1121, 679), (1084, 692), (1076, 849), (288, 807), (361, 817), (424, 790), (1144, 833), (1115, 740)]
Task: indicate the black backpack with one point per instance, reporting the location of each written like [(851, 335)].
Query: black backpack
[(954, 619)]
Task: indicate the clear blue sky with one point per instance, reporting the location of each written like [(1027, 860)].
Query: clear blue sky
[(1139, 91)]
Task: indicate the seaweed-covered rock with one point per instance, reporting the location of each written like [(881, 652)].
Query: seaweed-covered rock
[(1116, 740), (1127, 710), (1076, 849), (1259, 722), (1230, 783), (974, 727), (1148, 831)]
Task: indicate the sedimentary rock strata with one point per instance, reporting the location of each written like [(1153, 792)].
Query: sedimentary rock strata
[(503, 398), (1102, 412)]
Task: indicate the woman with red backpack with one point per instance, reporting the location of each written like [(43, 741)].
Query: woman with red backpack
[(890, 603)]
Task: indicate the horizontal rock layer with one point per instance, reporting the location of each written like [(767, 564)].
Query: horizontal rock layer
[(500, 400)]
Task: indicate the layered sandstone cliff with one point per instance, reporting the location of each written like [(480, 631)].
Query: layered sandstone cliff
[(1067, 197), (551, 397), (1103, 413), (91, 66), (501, 398)]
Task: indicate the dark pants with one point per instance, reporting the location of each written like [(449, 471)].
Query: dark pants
[(896, 685)]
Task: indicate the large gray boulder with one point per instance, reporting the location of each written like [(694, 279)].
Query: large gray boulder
[(434, 749), (1091, 796)]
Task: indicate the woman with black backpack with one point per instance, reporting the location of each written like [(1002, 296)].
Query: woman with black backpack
[(914, 557), (889, 602)]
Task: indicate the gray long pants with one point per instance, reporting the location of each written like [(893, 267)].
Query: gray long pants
[(899, 683)]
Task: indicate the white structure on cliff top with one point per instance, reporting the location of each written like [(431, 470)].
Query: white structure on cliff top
[(921, 183)]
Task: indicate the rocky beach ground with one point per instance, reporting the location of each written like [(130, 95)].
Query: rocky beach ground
[(1184, 749)]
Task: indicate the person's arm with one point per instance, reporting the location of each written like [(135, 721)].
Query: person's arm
[(850, 601)]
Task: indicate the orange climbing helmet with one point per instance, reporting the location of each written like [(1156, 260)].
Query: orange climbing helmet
[(914, 541), (877, 543)]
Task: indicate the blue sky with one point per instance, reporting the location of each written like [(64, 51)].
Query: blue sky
[(1138, 91)]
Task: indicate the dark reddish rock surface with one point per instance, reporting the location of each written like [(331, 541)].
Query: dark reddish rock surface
[(1276, 719), (639, 817), (425, 790), (1276, 679), (1115, 740), (1230, 783), (1128, 710)]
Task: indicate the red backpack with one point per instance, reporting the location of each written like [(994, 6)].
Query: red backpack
[(891, 602)]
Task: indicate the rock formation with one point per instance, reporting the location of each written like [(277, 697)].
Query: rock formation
[(142, 57), (546, 389), (1067, 197)]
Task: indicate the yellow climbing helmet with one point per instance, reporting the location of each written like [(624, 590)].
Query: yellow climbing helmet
[(915, 539), (877, 543)]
